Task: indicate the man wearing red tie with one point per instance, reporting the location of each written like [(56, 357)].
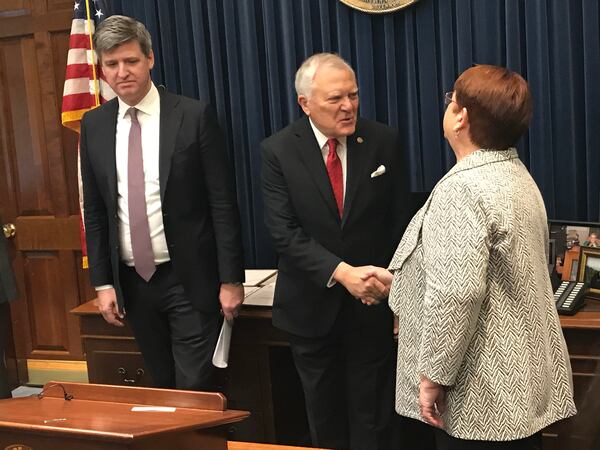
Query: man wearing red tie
[(334, 187)]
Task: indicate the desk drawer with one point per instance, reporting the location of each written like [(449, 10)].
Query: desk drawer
[(121, 368), (582, 342), (115, 361)]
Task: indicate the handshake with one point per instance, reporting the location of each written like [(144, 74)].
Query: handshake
[(370, 284)]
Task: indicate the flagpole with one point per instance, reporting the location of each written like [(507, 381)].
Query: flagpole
[(92, 53)]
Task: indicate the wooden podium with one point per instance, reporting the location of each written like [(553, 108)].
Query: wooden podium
[(103, 417)]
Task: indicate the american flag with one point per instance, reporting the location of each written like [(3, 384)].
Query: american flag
[(85, 87)]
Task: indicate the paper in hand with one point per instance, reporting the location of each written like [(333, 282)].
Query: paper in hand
[(221, 354)]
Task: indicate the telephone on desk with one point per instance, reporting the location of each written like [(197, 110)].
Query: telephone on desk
[(570, 296)]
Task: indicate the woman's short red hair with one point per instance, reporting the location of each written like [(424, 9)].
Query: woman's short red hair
[(498, 103)]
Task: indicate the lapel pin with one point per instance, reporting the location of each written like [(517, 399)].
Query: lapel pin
[(360, 140)]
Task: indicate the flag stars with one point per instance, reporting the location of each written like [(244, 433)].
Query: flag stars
[(76, 6), (99, 13)]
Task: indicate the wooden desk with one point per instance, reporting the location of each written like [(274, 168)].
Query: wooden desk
[(261, 377), (582, 334), (101, 417)]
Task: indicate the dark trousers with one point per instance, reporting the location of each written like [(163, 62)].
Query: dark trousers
[(417, 435), (4, 320), (446, 442), (348, 380), (177, 341)]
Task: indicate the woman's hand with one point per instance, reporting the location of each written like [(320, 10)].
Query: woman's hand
[(358, 284), (432, 401), (383, 276)]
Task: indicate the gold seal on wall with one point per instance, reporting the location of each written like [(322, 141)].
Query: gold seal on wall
[(378, 6)]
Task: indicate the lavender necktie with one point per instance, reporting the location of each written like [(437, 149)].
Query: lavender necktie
[(143, 256)]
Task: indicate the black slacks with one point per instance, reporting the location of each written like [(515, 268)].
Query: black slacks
[(446, 442), (4, 320), (176, 340), (348, 379), (417, 435)]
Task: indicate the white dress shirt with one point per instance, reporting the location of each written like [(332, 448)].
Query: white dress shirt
[(149, 118)]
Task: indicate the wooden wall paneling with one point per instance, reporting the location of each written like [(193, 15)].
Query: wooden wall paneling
[(7, 182), (69, 139), (17, 370), (52, 333), (25, 24), (48, 233), (39, 159), (71, 295), (49, 97), (32, 186), (55, 5), (47, 332), (9, 58), (14, 7)]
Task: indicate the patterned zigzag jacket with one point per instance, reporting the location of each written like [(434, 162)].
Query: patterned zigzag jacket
[(476, 309)]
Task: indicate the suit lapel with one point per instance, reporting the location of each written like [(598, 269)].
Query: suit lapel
[(312, 158), (170, 122), (356, 162)]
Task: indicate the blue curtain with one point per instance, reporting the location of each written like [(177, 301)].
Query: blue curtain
[(241, 56)]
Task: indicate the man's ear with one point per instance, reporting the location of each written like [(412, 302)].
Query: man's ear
[(303, 102), (151, 59)]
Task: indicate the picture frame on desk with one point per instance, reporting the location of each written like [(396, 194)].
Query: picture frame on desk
[(566, 237), (589, 269), (570, 263)]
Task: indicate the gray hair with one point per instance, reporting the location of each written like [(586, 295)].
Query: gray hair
[(307, 71), (118, 30)]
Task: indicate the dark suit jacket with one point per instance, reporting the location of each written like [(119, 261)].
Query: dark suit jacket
[(310, 238), (200, 213), (8, 287)]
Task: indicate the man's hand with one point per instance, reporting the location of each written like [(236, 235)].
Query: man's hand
[(107, 304), (385, 278), (432, 401), (231, 297), (352, 279)]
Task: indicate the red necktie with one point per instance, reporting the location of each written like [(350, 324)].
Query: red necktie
[(141, 244), (336, 177)]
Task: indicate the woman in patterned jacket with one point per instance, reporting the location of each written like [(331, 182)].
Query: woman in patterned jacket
[(481, 355)]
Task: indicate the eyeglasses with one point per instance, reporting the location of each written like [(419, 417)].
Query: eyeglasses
[(448, 98)]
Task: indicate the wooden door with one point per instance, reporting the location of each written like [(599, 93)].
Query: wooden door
[(38, 180)]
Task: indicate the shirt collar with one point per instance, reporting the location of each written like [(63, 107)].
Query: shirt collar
[(148, 105), (321, 138)]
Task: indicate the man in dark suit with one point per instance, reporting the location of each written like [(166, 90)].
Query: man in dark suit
[(161, 217), (334, 186), (8, 292)]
